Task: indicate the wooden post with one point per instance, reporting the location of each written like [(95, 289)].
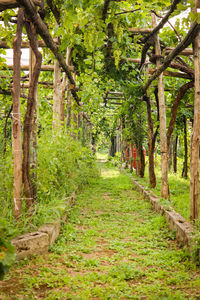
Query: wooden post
[(56, 95), (195, 138), (16, 127), (32, 62), (162, 111), (62, 104), (64, 82)]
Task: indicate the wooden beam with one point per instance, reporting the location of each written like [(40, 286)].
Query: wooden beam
[(8, 4), (6, 45), (115, 93), (27, 80), (113, 98), (129, 59), (171, 74), (140, 30), (116, 103), (43, 68), (185, 52)]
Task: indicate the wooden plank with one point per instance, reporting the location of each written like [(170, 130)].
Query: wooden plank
[(185, 52), (43, 68), (172, 74), (6, 45), (140, 30)]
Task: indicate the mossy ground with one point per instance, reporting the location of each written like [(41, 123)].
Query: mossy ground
[(112, 247)]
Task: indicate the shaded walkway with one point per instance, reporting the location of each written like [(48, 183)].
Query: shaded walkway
[(113, 247)]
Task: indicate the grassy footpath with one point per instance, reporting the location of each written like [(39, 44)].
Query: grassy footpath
[(113, 247)]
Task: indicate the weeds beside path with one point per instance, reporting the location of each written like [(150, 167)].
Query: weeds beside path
[(112, 247)]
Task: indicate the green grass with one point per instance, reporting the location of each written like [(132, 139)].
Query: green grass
[(112, 247), (179, 189)]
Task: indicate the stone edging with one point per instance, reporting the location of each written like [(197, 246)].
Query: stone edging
[(183, 229), (39, 241)]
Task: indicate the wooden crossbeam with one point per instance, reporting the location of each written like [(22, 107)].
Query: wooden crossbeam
[(115, 93), (185, 52), (171, 74), (43, 68), (140, 30), (113, 98), (6, 45)]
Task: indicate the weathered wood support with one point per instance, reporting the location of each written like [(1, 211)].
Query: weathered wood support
[(29, 116), (16, 127), (162, 112), (6, 45), (56, 96), (195, 138), (43, 68), (140, 30), (185, 52), (171, 74)]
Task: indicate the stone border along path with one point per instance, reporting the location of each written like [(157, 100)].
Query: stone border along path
[(112, 246), (38, 242), (184, 230)]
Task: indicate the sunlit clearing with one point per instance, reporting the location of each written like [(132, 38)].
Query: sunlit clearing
[(109, 173)]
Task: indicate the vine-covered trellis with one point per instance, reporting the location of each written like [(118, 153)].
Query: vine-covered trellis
[(107, 50)]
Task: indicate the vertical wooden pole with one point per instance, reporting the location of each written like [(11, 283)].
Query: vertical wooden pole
[(32, 62), (56, 95), (195, 139), (69, 96), (16, 126), (69, 107), (64, 84), (162, 111), (62, 104)]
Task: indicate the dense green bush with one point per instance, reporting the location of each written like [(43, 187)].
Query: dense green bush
[(64, 166)]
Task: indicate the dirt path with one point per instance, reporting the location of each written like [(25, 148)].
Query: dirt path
[(113, 247)]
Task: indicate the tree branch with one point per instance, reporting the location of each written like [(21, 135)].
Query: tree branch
[(54, 10), (105, 9), (148, 39), (177, 100), (44, 33), (167, 61)]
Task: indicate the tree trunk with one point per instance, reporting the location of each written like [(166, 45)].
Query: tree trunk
[(175, 145), (5, 130), (185, 164), (29, 116), (69, 107), (16, 127), (62, 104), (142, 160), (170, 155), (128, 155), (137, 162), (34, 130), (56, 96), (162, 113), (195, 139), (151, 145), (176, 103), (113, 146)]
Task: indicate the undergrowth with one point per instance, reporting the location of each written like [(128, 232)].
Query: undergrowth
[(64, 166), (113, 246), (179, 188)]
